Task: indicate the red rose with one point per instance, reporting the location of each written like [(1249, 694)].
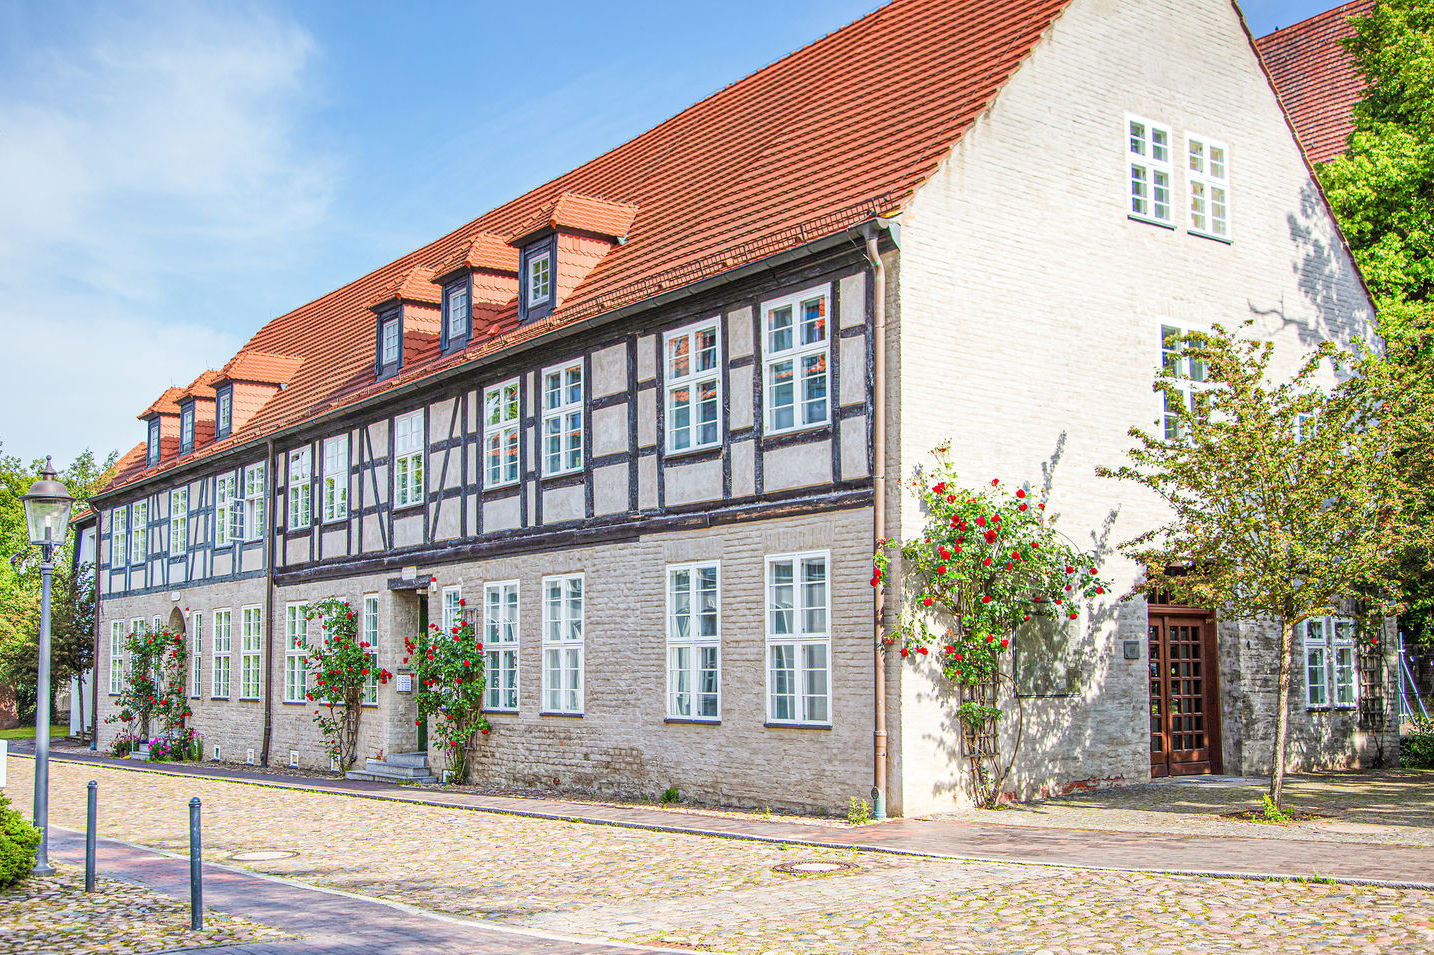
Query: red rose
[(927, 601), (1005, 643), (418, 722), (941, 570), (921, 650), (995, 481), (1020, 492), (945, 553), (1100, 590), (985, 598), (1074, 615), (466, 663), (990, 537), (958, 548), (980, 522), (461, 602), (939, 488), (905, 652), (951, 499), (1092, 570), (1041, 506), (485, 731), (987, 562), (958, 656), (1020, 507)]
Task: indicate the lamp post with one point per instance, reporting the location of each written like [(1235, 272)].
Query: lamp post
[(47, 515)]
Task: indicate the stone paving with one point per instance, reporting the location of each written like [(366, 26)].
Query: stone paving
[(55, 915), (703, 893)]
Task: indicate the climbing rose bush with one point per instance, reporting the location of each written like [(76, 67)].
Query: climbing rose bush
[(153, 690), (341, 666), (987, 562), (448, 687)]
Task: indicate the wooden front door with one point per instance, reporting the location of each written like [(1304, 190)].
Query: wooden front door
[(1184, 693)]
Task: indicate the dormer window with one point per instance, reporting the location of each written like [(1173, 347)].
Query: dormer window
[(186, 428), (223, 411), (457, 315), (540, 285), (538, 293), (152, 443), (390, 343)]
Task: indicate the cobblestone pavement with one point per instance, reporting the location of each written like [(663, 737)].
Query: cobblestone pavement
[(693, 891), (55, 915), (1385, 807)]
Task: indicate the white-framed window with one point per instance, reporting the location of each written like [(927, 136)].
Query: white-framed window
[(296, 648), (1148, 148), (388, 348), (186, 427), (179, 520), (563, 644), (694, 386), (452, 607), (1331, 680), (540, 279), (226, 510), (370, 636), (501, 431), (301, 487), (1207, 176), (251, 645), (224, 411), (116, 657), (799, 639), (219, 654), (336, 478), (1174, 358), (155, 625), (252, 527), (455, 303), (693, 642), (500, 645), (408, 447), (563, 418), (119, 537), (151, 451), (796, 343), (196, 655), (139, 535)]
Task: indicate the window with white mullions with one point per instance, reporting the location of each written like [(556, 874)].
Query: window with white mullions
[(119, 537), (296, 649), (798, 639), (139, 534), (301, 488), (178, 521), (370, 636), (221, 647), (693, 642), (251, 644), (196, 655), (452, 607), (116, 657), (1148, 148), (389, 345), (500, 645), (226, 510), (186, 428), (224, 412), (563, 644), (694, 386), (563, 419), (409, 441), (336, 478), (1208, 180), (1331, 679), (455, 307), (796, 347), (500, 434), (540, 282), (1176, 360), (251, 526)]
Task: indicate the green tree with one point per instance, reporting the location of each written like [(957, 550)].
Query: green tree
[(1282, 503)]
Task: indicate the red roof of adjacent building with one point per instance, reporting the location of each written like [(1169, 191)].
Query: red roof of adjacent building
[(1316, 80), (825, 138)]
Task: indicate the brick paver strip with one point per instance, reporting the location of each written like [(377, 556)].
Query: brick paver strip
[(1085, 848), (329, 921)]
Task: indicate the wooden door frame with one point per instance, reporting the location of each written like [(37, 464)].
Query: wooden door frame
[(1210, 657)]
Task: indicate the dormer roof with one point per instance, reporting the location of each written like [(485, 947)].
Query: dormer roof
[(165, 404), (414, 287), (485, 252), (202, 387), (260, 368), (575, 212)]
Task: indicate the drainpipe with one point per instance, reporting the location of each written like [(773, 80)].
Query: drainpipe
[(95, 666), (269, 552), (878, 277)]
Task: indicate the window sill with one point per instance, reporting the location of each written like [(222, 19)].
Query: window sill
[(295, 702), (493, 486), (337, 519), (565, 473), (509, 712), (219, 699), (782, 725), (696, 450), (1222, 239), (796, 429), (408, 507), (1150, 220), (1333, 708), (695, 720), (568, 715)]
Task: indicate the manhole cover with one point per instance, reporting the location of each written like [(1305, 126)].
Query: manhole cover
[(814, 867), (262, 855)]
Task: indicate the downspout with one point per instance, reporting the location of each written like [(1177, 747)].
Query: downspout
[(878, 475), (269, 552), (95, 665)]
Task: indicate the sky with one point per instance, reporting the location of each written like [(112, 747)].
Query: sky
[(173, 175)]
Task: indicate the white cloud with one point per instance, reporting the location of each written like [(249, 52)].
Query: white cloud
[(152, 160)]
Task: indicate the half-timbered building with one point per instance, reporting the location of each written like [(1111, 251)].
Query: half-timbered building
[(647, 421)]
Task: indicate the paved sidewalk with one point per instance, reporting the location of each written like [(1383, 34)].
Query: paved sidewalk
[(327, 921), (937, 836)]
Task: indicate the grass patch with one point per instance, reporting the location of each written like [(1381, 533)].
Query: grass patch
[(28, 732)]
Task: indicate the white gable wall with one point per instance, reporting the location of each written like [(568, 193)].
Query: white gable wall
[(1029, 314)]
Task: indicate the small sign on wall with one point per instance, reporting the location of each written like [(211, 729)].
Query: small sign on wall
[(403, 683)]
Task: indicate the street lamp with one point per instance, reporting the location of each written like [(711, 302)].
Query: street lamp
[(47, 513)]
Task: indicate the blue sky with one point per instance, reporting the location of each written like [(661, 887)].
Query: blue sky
[(172, 174)]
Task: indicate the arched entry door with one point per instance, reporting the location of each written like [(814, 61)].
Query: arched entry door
[(1184, 692)]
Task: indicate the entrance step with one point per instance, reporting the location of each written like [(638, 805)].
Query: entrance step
[(398, 768)]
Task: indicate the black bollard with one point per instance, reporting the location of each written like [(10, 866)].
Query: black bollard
[(196, 887), (91, 813)]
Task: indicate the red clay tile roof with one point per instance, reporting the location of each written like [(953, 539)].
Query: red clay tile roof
[(825, 138), (203, 386), (260, 367), (584, 213), (484, 251), (167, 403), (415, 286), (1315, 78)]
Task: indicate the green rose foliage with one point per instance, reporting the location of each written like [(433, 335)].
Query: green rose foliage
[(153, 690), (988, 561), (448, 688), (342, 666), (18, 842)]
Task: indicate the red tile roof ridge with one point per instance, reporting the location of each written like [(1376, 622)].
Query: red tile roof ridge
[(260, 367), (485, 250), (166, 403), (416, 285), (203, 386), (1355, 8)]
